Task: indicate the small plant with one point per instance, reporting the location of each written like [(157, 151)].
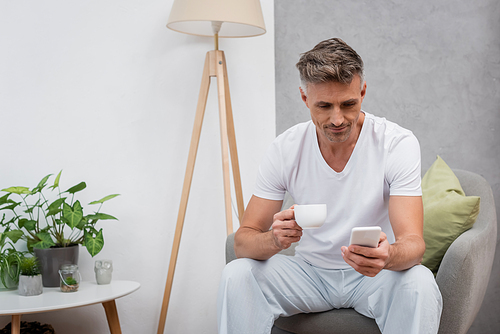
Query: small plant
[(69, 284), (29, 266), (9, 260), (9, 266), (70, 281), (30, 280), (45, 222)]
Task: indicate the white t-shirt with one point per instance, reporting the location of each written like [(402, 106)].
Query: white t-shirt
[(385, 162)]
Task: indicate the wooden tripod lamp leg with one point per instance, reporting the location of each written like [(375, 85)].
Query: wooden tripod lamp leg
[(232, 144), (193, 149), (221, 88), (228, 142)]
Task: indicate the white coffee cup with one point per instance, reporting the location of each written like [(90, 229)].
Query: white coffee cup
[(310, 215)]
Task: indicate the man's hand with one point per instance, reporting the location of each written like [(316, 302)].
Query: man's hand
[(366, 260), (285, 230)]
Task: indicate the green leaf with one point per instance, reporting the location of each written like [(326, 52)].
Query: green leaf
[(94, 245), (41, 184), (5, 199), (22, 221), (28, 224), (57, 203), (56, 181), (53, 212), (58, 221), (14, 235), (82, 223), (91, 230), (72, 215), (102, 200), (79, 187), (45, 241), (100, 215), (11, 206), (29, 243), (18, 190), (46, 229), (55, 207)]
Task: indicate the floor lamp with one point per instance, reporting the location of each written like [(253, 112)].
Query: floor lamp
[(212, 18)]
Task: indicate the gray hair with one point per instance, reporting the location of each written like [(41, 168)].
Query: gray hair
[(331, 60)]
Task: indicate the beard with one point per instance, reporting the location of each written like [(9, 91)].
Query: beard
[(340, 136)]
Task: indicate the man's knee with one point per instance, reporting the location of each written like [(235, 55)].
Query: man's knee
[(417, 275), (421, 280), (411, 300), (237, 270)]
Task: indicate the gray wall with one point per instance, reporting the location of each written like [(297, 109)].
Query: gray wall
[(431, 66)]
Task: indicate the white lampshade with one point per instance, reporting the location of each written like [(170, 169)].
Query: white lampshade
[(240, 18)]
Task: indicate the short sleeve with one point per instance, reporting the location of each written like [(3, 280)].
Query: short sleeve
[(403, 169), (270, 183)]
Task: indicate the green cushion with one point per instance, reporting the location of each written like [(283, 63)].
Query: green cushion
[(447, 212)]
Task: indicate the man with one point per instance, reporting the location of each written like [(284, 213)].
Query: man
[(367, 170)]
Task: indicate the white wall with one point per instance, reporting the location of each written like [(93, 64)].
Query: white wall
[(104, 91)]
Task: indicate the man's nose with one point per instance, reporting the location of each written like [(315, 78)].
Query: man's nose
[(336, 117)]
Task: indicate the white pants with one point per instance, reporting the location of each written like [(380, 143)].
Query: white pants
[(253, 294)]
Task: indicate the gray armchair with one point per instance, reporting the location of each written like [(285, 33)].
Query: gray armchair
[(462, 277)]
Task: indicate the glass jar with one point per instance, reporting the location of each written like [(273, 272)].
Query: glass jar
[(70, 277)]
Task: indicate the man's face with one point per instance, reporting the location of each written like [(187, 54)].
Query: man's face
[(335, 108)]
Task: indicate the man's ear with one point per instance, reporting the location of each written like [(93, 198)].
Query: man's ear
[(363, 91), (304, 97)]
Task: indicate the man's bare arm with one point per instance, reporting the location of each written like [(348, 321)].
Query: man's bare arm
[(255, 240), (406, 216)]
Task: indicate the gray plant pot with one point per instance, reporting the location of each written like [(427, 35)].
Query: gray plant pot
[(51, 260), (30, 285)]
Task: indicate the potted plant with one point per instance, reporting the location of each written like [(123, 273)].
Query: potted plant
[(70, 277), (30, 279), (49, 219), (9, 262)]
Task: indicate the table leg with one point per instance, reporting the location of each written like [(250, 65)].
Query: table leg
[(15, 325), (112, 316)]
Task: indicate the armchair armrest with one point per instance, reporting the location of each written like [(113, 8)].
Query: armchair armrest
[(466, 267)]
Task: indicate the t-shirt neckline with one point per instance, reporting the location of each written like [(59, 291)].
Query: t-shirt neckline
[(352, 158)]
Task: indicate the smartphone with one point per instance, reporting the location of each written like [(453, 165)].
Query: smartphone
[(365, 236)]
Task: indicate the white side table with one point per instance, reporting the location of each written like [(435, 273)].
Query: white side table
[(52, 299)]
